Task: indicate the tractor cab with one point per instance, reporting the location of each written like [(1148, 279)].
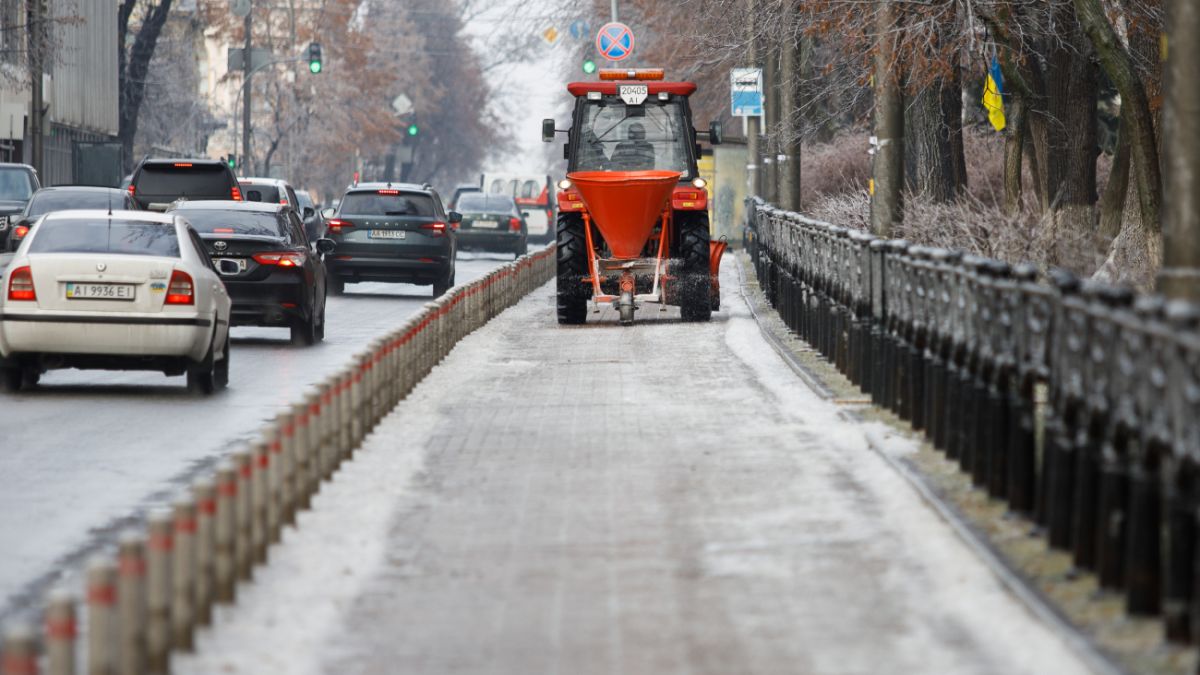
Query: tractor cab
[(633, 209)]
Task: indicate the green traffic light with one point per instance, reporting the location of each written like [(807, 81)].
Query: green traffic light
[(589, 66), (413, 130), (314, 67)]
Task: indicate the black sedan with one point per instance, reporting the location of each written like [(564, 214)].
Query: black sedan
[(274, 275), (492, 222), (63, 198)]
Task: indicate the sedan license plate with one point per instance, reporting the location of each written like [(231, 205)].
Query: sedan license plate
[(100, 291), (385, 234), (486, 224)]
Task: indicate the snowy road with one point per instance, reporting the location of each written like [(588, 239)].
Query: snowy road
[(665, 498), (88, 448)]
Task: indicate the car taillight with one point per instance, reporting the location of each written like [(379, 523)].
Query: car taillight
[(235, 194), (20, 284), (132, 190), (20, 231), (337, 224), (280, 259), (181, 291), (436, 229), (514, 224)]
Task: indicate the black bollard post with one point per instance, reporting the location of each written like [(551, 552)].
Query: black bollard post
[(1181, 556), (1143, 559), (1086, 503)]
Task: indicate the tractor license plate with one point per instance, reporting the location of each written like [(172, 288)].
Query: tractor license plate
[(486, 224), (385, 234), (633, 94), (99, 291)]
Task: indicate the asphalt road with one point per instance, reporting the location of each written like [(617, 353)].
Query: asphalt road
[(88, 449)]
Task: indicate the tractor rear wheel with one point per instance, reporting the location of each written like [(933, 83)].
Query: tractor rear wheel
[(572, 257), (694, 278)]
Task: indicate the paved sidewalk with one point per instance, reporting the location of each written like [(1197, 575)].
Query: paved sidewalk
[(663, 498)]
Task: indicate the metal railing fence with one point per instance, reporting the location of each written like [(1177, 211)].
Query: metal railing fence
[(1076, 402)]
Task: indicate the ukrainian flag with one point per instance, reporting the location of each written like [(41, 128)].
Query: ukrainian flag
[(993, 96)]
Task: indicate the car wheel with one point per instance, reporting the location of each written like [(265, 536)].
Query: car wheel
[(221, 374), (202, 376), (337, 287), (304, 331), (521, 247), (319, 333), (440, 287), (30, 376)]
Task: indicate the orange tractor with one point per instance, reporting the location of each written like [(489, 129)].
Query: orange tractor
[(633, 210)]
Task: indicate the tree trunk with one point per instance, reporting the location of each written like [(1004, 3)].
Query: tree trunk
[(887, 205), (1112, 203), (1135, 106), (934, 163), (1062, 121), (1180, 276), (134, 69), (789, 167), (1014, 146)]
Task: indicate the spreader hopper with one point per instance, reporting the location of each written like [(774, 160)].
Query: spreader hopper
[(625, 205)]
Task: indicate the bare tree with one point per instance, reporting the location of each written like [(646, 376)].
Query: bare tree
[(146, 18)]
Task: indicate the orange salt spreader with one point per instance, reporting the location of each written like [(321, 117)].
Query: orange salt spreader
[(633, 222)]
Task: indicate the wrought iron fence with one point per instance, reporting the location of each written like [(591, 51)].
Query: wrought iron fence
[(1076, 402)]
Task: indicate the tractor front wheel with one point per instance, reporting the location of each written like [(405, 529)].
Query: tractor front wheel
[(694, 278), (572, 258)]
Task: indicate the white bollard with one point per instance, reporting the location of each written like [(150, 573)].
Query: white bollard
[(60, 632)]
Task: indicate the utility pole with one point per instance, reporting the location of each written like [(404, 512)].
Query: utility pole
[(37, 67), (887, 206), (1180, 275), (246, 71), (753, 123), (790, 78), (771, 126)]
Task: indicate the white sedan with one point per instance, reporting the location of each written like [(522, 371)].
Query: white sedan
[(114, 290)]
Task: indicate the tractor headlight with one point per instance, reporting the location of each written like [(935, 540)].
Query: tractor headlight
[(564, 184), (699, 183)]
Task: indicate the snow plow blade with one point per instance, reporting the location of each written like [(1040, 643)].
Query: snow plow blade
[(625, 205)]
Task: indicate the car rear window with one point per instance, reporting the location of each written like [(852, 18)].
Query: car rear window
[(62, 200), (384, 203), (15, 184), (183, 181), (490, 203), (229, 221), (105, 235), (260, 193)]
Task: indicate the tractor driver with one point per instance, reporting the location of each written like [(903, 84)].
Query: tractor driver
[(634, 154)]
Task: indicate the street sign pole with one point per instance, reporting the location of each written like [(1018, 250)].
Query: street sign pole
[(614, 11), (246, 71)]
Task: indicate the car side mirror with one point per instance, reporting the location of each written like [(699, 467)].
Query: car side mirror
[(716, 133), (326, 245), (328, 213), (524, 214), (309, 212), (548, 131), (455, 217)]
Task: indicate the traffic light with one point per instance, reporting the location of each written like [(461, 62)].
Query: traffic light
[(314, 57), (232, 161), (589, 66), (413, 129)]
